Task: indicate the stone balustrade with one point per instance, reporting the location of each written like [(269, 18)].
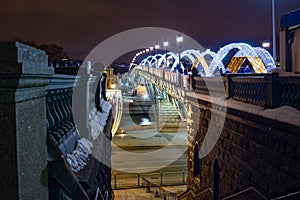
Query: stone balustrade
[(39, 131), (266, 90)]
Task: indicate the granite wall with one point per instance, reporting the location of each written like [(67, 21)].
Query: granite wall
[(255, 149), (23, 77)]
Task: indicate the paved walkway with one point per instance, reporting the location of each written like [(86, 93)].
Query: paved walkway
[(141, 194), (145, 138), (148, 137)]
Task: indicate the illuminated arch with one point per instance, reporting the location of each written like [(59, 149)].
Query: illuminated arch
[(201, 60), (162, 59), (154, 60), (198, 58), (217, 64), (146, 61), (266, 58)]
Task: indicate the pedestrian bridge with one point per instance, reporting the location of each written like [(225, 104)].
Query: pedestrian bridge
[(247, 111)]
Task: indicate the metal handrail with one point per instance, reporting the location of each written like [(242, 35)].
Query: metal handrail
[(184, 194), (287, 195), (245, 191)]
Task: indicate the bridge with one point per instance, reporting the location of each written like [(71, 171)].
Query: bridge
[(248, 128), (242, 128)]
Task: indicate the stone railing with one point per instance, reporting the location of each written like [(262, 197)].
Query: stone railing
[(60, 122), (179, 80), (290, 91), (249, 193), (88, 173), (209, 86), (188, 194), (40, 135), (250, 90), (266, 90)]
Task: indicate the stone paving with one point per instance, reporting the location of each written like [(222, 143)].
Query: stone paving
[(141, 194), (147, 138)]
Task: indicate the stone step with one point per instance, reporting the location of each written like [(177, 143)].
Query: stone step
[(169, 120), (172, 125), (169, 115), (172, 130)]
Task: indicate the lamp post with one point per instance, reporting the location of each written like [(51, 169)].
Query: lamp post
[(156, 49), (179, 40), (273, 30), (166, 44)]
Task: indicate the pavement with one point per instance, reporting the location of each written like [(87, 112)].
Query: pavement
[(142, 150), (141, 194), (148, 138)]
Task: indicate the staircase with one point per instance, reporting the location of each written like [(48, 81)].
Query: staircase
[(169, 119)]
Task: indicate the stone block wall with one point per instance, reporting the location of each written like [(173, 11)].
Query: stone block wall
[(23, 77), (252, 151)]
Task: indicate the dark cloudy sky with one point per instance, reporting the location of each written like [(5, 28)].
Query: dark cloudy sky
[(79, 25)]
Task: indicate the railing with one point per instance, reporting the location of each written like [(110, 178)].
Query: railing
[(294, 195), (160, 192), (204, 194), (250, 90), (266, 90), (129, 180), (116, 99), (250, 193), (60, 122), (63, 138), (290, 91), (209, 86)]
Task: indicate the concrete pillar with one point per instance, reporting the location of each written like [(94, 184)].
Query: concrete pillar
[(24, 73)]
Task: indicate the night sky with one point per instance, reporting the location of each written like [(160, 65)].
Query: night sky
[(80, 25)]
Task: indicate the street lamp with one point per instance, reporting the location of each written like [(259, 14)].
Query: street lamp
[(166, 44), (179, 40), (266, 45), (273, 28)]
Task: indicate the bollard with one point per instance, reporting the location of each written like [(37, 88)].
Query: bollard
[(156, 194), (138, 179), (161, 178), (148, 187)]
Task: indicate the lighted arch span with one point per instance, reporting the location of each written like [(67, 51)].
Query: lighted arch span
[(196, 57), (266, 58), (263, 54), (146, 61), (244, 49), (155, 58), (161, 61), (201, 60)]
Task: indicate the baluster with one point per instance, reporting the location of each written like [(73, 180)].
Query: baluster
[(63, 109), (288, 94), (255, 86), (50, 120), (237, 90), (251, 91), (246, 90), (59, 134), (242, 89), (69, 106), (260, 98), (62, 126), (297, 96), (293, 92), (283, 93)]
